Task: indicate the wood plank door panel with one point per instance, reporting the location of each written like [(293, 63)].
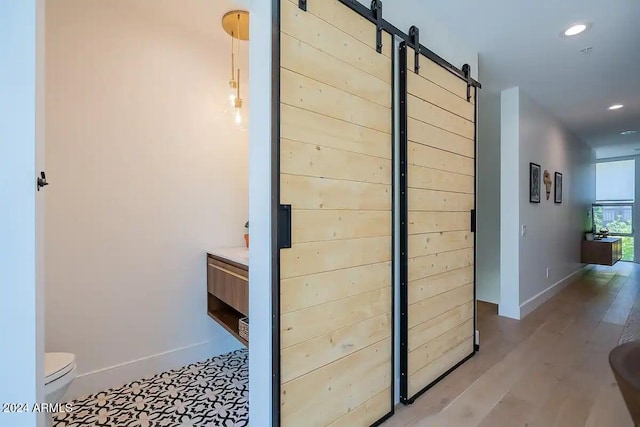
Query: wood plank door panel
[(437, 289), (336, 172)]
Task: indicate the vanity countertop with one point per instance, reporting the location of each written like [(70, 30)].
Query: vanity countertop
[(238, 254)]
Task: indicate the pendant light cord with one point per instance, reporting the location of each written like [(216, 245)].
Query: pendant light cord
[(238, 47), (233, 65)]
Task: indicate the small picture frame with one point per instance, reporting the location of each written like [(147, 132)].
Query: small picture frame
[(534, 182), (557, 187)]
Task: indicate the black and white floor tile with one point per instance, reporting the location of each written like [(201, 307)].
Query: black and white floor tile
[(206, 394)]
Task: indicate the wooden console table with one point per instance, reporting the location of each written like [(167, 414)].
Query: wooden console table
[(606, 251), (228, 288)]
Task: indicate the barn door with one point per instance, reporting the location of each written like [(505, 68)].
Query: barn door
[(437, 157), (336, 171)]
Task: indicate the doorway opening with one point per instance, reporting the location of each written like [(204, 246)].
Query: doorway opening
[(147, 160)]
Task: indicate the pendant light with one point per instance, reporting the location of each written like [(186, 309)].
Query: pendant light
[(236, 24), (233, 84)]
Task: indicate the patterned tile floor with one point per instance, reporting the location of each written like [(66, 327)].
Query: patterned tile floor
[(210, 393)]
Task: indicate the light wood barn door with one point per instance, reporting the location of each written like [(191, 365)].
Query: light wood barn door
[(336, 172), (438, 294)]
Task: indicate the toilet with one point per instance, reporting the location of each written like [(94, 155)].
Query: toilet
[(59, 371)]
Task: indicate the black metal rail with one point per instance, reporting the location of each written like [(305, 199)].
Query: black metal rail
[(275, 213), (404, 228)]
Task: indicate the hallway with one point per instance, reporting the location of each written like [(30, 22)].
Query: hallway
[(550, 369)]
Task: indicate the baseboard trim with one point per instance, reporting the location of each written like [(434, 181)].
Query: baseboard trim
[(122, 373), (537, 300)]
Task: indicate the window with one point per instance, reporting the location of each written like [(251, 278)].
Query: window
[(618, 219), (615, 181), (613, 210)]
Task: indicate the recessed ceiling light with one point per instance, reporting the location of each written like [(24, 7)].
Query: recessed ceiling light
[(616, 107), (629, 132), (574, 30)]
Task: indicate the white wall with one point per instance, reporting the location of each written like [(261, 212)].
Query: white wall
[(509, 203), (20, 323), (147, 173), (260, 194), (488, 215), (554, 231)]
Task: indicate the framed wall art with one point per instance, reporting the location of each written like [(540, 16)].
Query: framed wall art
[(557, 188), (534, 182)]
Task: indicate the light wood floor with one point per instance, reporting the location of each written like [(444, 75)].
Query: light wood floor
[(550, 369)]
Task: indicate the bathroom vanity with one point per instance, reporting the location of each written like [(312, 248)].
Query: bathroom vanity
[(228, 288)]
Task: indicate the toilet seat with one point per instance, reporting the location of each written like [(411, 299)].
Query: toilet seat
[(57, 365)]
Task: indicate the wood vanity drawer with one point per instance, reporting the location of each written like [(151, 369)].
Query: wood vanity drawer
[(229, 283)]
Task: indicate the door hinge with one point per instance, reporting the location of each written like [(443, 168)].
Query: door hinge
[(302, 4), (284, 226)]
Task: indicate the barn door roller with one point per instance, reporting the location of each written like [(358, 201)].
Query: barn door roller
[(376, 8), (466, 70), (414, 39)]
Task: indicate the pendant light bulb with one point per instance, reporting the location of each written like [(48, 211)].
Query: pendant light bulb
[(233, 89), (238, 107)]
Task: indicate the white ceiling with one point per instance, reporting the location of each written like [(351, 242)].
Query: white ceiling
[(201, 16), (520, 44)]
